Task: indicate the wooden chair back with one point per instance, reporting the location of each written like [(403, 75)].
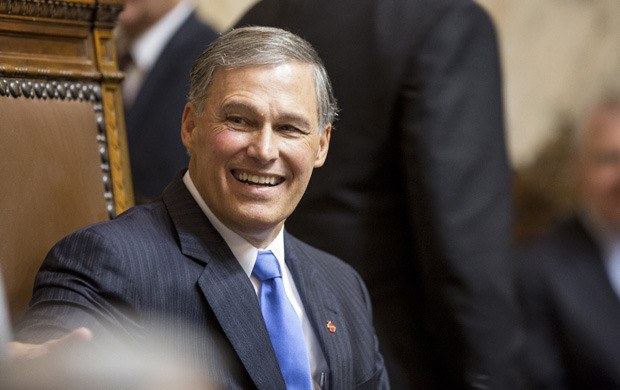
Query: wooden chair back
[(63, 155)]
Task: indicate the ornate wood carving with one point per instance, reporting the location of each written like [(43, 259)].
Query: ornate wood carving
[(79, 10)]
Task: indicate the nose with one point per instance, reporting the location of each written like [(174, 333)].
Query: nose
[(263, 146)]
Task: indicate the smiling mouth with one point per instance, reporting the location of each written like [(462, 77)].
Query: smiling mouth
[(247, 178)]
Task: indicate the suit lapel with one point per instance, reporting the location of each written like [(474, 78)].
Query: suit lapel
[(323, 308), (231, 297), (226, 287)]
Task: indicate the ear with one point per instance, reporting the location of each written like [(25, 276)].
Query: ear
[(323, 146), (188, 125)]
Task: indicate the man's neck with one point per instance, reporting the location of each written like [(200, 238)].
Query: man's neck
[(258, 237)]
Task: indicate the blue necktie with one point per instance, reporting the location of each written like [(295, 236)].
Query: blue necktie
[(283, 324)]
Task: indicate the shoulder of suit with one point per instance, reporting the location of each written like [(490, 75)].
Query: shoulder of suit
[(318, 256), (137, 219)]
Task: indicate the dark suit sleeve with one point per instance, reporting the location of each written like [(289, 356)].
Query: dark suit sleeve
[(82, 282), (455, 155)]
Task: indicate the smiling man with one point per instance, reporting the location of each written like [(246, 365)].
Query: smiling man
[(212, 253)]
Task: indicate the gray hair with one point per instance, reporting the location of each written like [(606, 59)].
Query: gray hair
[(255, 46)]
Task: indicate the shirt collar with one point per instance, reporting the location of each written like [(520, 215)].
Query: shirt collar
[(244, 252), (147, 48)]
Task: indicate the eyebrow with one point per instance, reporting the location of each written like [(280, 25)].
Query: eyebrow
[(238, 106)]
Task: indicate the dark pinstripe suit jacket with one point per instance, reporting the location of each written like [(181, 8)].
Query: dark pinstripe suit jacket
[(165, 260)]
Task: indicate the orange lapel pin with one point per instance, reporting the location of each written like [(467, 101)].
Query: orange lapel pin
[(331, 327)]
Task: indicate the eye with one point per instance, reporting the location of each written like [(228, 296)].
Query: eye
[(237, 121), (290, 130)]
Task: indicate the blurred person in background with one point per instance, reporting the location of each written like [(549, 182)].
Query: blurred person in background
[(416, 193), (157, 40), (569, 278)]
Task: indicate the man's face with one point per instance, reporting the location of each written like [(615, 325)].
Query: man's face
[(599, 173), (255, 146)]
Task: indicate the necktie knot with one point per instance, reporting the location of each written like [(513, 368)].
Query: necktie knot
[(266, 266)]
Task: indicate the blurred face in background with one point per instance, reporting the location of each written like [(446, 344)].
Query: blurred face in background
[(139, 15), (598, 170)]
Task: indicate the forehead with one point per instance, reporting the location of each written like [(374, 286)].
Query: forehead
[(283, 84), (285, 72)]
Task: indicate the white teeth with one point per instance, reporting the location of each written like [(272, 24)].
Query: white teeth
[(255, 179)]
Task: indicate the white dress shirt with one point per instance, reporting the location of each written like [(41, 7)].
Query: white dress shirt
[(246, 254), (613, 265)]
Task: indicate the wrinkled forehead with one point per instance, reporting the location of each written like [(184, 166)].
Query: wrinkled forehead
[(295, 78), (275, 68)]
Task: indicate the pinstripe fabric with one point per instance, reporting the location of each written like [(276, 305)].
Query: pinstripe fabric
[(165, 260)]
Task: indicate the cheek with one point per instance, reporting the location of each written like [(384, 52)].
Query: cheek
[(221, 142), (229, 140), (302, 156)]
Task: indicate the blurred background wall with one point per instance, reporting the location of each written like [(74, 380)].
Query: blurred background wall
[(555, 55), (222, 14)]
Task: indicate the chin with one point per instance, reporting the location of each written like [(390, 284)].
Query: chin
[(259, 221)]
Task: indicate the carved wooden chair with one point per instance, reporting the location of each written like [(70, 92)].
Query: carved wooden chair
[(63, 155)]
